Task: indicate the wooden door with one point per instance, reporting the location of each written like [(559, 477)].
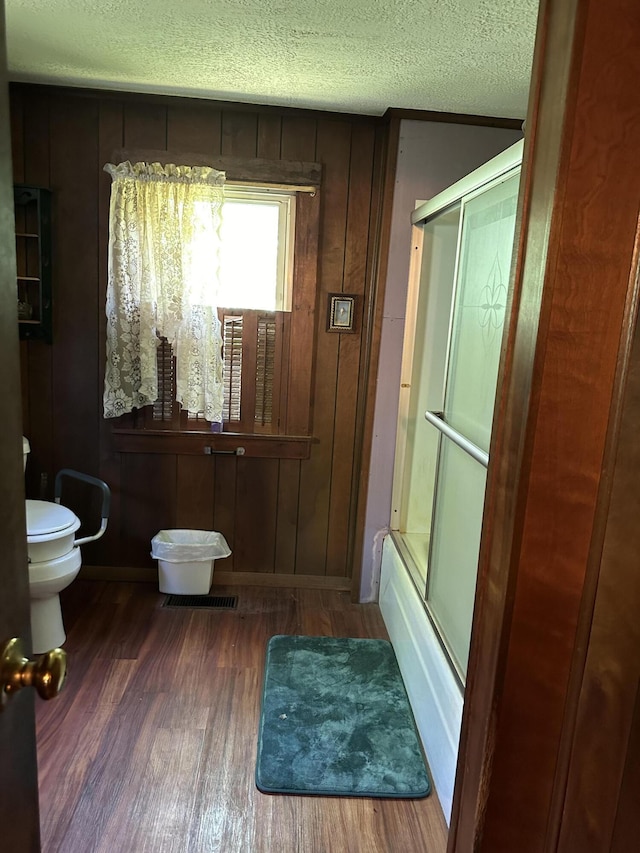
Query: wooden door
[(19, 821), (598, 805), (548, 750)]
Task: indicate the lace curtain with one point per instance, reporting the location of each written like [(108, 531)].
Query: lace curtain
[(164, 239)]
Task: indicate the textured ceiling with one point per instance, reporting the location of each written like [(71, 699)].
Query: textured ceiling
[(466, 56)]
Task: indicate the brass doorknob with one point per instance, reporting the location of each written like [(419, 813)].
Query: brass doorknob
[(46, 673)]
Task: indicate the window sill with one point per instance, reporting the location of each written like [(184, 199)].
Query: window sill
[(212, 444)]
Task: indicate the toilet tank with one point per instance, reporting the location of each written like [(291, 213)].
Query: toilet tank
[(25, 452)]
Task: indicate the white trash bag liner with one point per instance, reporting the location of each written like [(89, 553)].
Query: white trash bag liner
[(186, 558), (187, 546)]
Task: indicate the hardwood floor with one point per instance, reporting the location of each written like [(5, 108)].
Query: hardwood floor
[(151, 746)]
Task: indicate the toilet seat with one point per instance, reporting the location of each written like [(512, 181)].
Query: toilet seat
[(45, 517), (50, 530)]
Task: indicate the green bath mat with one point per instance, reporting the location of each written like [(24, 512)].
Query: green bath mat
[(336, 721)]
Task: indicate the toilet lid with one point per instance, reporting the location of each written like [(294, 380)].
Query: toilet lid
[(44, 517)]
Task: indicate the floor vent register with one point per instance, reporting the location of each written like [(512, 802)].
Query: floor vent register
[(208, 602)]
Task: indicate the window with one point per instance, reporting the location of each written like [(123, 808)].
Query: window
[(257, 237), (260, 278), (267, 296)]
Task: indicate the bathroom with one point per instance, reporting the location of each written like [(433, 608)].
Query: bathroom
[(291, 523), (289, 520), (297, 517)]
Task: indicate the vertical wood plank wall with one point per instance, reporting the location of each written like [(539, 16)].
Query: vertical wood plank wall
[(280, 516)]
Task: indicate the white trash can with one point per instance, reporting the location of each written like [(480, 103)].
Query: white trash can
[(185, 559)]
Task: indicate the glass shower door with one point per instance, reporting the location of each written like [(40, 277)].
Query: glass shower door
[(428, 346), (464, 424)]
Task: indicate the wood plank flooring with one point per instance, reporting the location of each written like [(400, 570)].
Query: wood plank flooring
[(151, 746)]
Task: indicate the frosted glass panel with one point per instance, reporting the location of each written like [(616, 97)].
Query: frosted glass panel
[(481, 295), (455, 547), (428, 369)]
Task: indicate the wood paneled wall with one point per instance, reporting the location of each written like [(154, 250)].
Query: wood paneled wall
[(280, 517)]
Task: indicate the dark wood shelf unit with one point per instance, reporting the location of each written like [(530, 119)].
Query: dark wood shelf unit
[(33, 259)]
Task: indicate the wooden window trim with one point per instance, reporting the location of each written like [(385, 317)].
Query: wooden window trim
[(287, 173), (198, 443)]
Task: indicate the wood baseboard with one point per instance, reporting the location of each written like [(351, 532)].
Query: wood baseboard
[(280, 580), (150, 575)]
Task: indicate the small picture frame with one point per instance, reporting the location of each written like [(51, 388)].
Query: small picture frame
[(341, 312)]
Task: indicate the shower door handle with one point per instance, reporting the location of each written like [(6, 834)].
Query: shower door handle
[(437, 420)]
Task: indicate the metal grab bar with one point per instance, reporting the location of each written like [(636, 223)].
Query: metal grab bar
[(437, 419), (106, 499)]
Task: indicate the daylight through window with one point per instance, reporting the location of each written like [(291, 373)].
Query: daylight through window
[(255, 279), (257, 237)]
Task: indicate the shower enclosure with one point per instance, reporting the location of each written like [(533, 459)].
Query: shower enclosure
[(458, 292)]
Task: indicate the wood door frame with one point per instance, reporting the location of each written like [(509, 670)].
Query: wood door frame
[(388, 142), (595, 805), (563, 374), (18, 769)]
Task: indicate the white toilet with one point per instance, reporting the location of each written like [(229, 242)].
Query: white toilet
[(54, 558)]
